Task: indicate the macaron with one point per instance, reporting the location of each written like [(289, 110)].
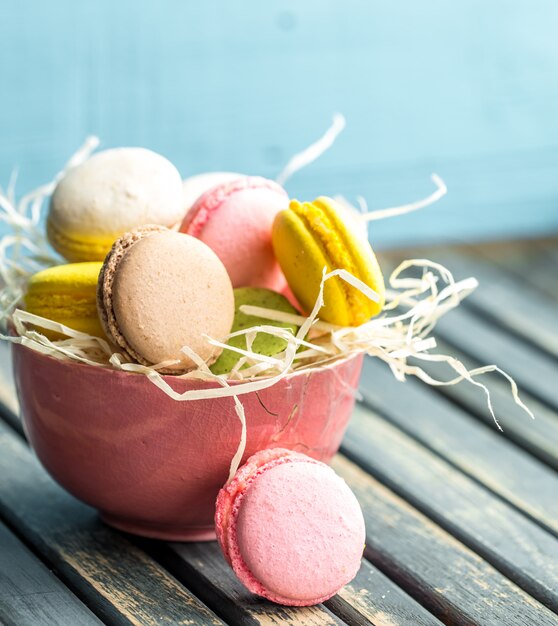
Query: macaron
[(264, 343), (290, 528), (310, 236), (160, 290), (111, 193), (66, 294), (195, 186), (234, 219)]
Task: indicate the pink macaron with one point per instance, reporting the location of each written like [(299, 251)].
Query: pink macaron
[(234, 219), (290, 528)]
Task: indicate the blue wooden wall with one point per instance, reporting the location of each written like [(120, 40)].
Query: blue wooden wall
[(468, 89)]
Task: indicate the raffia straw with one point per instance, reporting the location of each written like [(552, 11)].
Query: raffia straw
[(380, 214), (392, 338), (413, 306), (26, 250), (314, 151)]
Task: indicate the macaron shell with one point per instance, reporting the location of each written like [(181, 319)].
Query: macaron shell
[(300, 532), (109, 194), (66, 294), (303, 260), (70, 277), (290, 528), (312, 235), (363, 257), (195, 186), (235, 220), (229, 496), (264, 343), (163, 291), (89, 325)]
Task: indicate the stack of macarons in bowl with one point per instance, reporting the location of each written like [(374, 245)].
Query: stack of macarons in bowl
[(160, 272)]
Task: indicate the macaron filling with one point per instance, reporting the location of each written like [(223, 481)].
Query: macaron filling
[(77, 247), (326, 236), (66, 294), (56, 306)]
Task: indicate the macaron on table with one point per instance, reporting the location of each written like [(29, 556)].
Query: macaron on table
[(189, 364), (291, 529)]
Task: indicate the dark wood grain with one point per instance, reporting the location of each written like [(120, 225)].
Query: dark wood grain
[(31, 595), (459, 519), (477, 449), (373, 598), (370, 597), (357, 607), (518, 547), (539, 436), (485, 342), (202, 567), (445, 576), (102, 567)]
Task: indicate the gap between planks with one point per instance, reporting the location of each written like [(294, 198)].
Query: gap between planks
[(121, 584), (31, 594), (476, 449), (504, 537)]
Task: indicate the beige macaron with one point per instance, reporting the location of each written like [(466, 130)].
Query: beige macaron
[(112, 193), (160, 290)]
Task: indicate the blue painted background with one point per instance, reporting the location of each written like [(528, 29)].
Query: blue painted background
[(467, 89)]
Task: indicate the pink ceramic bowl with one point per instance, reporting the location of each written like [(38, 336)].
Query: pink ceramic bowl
[(153, 466)]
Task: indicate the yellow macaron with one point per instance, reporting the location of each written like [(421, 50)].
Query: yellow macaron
[(67, 294), (309, 236)]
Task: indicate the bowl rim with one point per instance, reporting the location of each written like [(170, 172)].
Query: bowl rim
[(169, 378)]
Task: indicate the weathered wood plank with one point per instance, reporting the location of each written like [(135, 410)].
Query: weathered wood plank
[(414, 582), (486, 342), (445, 576), (552, 254), (533, 262), (31, 595), (512, 292), (506, 301), (538, 436), (373, 598), (91, 547), (202, 567), (515, 545), (357, 602), (478, 450), (531, 369), (101, 566)]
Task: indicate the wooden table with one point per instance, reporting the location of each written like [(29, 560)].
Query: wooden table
[(462, 520)]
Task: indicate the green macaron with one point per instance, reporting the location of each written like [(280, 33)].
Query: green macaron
[(264, 343)]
